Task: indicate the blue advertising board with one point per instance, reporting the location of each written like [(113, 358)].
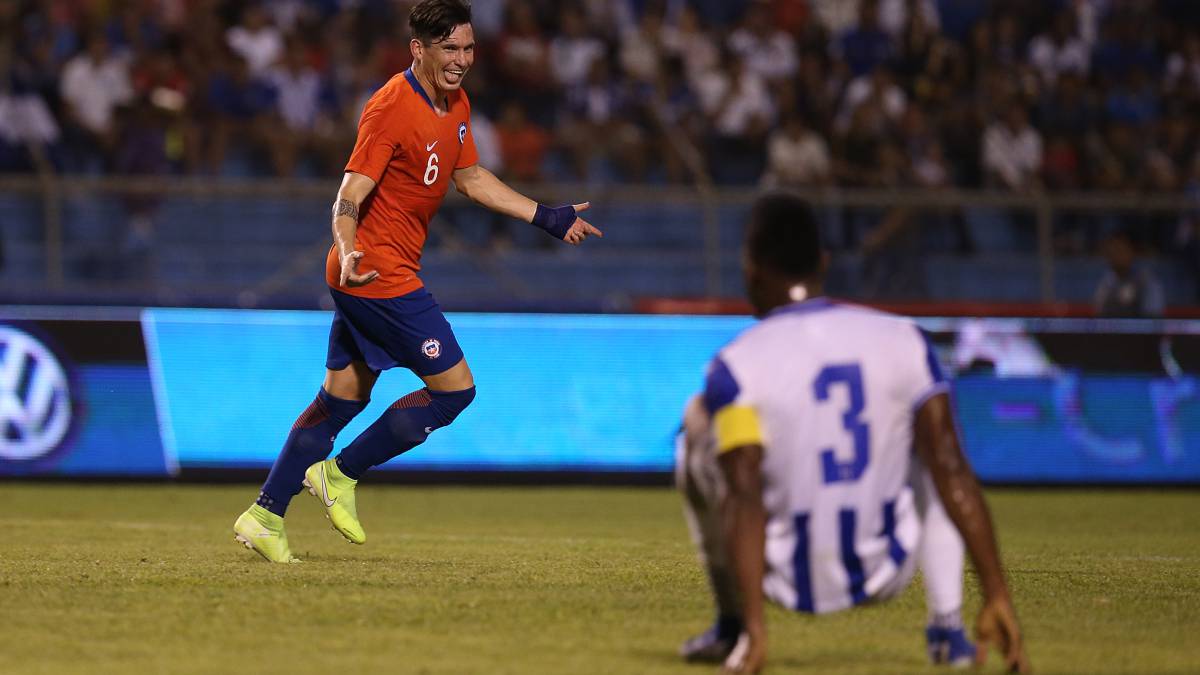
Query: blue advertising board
[(555, 392)]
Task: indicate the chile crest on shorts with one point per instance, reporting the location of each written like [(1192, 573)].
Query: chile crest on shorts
[(462, 132), (431, 348)]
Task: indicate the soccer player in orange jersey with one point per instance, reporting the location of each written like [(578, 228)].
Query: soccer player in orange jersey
[(414, 138)]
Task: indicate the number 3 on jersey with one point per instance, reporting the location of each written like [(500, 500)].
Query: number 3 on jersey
[(849, 375), (431, 169)]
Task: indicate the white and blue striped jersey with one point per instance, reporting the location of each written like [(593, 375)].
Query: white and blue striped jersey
[(830, 392)]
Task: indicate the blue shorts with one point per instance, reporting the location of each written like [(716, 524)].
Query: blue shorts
[(408, 331)]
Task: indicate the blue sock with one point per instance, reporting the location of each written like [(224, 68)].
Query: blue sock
[(404, 426), (311, 441)]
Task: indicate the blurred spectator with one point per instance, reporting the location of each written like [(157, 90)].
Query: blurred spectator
[(573, 51), (690, 42), (1124, 47), (524, 53), (681, 125), (740, 109), (487, 143), (1012, 151), (523, 145), (642, 49), (1060, 165), (159, 79), (28, 130), (300, 102), (1127, 290), (1060, 50), (866, 45), (256, 39), (1133, 101), (94, 84), (796, 156), (837, 16), (1066, 110), (768, 51), (878, 89), (1183, 66), (926, 159), (1117, 158), (142, 151), (896, 15), (596, 121), (244, 114)]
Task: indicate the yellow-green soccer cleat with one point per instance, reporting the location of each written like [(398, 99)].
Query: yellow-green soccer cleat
[(262, 532), (326, 482)]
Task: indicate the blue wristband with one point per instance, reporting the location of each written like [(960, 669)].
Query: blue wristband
[(557, 220)]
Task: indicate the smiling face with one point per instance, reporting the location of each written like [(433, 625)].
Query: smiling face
[(444, 63)]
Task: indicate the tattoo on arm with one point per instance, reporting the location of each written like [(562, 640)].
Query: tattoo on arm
[(345, 207)]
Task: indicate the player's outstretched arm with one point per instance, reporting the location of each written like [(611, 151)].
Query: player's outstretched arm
[(353, 191), (562, 222), (745, 523), (937, 445)]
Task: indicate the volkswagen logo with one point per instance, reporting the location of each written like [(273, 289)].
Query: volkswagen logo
[(35, 399)]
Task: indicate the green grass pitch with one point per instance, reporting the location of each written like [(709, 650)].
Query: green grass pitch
[(148, 579)]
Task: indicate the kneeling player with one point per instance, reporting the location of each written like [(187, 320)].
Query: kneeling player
[(798, 471)]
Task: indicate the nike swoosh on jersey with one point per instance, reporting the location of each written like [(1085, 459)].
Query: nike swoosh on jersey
[(429, 148)]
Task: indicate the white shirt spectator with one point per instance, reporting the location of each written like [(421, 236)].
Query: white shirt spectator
[(793, 161), (486, 142), (260, 48), (298, 96), (696, 48), (572, 58), (773, 58), (893, 16), (639, 55), (1016, 157), (894, 102), (1052, 59), (26, 119), (733, 115), (837, 16), (95, 90)]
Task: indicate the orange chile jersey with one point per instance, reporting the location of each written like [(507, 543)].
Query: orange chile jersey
[(410, 151)]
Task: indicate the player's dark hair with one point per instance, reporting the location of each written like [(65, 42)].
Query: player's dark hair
[(783, 235), (434, 20)]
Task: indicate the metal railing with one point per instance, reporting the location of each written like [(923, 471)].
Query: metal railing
[(707, 202)]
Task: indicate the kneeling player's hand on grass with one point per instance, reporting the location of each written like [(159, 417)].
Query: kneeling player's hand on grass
[(748, 656), (581, 229), (350, 276), (997, 625)]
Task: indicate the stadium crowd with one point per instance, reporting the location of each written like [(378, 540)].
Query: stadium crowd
[(1014, 94)]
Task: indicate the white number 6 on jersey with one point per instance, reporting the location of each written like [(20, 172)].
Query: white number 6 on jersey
[(431, 170)]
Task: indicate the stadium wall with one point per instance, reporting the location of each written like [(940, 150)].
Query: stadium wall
[(191, 392)]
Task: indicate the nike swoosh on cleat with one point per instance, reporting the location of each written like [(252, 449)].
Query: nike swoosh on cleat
[(429, 148), (265, 534), (325, 491), (429, 430)]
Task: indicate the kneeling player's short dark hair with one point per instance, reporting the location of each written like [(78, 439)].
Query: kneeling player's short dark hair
[(784, 236), (434, 20)]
